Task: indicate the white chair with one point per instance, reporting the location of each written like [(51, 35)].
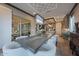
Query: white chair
[(44, 50), (47, 50), (53, 40), (14, 49)]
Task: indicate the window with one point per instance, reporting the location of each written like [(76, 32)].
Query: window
[(72, 24), (20, 26)]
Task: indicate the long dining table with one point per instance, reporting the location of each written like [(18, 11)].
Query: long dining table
[(35, 42)]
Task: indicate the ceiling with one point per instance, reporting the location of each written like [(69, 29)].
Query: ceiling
[(46, 9)]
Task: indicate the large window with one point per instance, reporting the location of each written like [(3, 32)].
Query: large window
[(72, 24), (20, 26)]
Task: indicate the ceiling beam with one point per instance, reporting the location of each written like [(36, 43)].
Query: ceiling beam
[(19, 9), (72, 10)]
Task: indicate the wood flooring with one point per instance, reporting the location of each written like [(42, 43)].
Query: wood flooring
[(63, 47)]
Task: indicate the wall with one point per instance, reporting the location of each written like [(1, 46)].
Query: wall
[(76, 13), (33, 27), (65, 23), (59, 26), (73, 19), (5, 25)]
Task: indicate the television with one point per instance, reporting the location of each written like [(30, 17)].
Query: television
[(39, 19)]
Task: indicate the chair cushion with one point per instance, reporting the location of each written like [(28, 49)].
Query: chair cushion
[(45, 47), (12, 45)]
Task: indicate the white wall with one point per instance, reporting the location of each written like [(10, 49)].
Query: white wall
[(33, 27), (5, 25), (59, 25), (58, 28)]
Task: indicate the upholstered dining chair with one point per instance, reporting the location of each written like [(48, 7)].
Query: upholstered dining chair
[(14, 49)]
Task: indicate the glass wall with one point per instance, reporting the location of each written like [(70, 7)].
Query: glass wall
[(25, 27), (72, 24), (16, 26), (20, 27)]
